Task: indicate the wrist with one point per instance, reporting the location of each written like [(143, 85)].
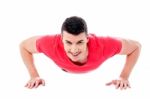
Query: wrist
[(34, 75), (123, 78)]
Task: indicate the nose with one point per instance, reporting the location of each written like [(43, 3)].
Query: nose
[(74, 49)]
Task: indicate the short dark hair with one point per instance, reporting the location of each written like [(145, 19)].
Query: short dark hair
[(74, 25)]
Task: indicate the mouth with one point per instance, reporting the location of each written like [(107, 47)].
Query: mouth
[(75, 54)]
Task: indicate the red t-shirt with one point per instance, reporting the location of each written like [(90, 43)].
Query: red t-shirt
[(100, 49)]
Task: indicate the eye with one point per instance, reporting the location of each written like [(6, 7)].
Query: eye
[(80, 42), (68, 43)]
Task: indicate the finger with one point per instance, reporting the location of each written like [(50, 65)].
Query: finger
[(108, 84), (128, 85), (121, 85), (114, 82), (117, 84), (26, 85), (29, 85), (32, 84), (125, 86), (36, 84), (43, 82)]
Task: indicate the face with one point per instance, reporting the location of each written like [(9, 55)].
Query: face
[(75, 46)]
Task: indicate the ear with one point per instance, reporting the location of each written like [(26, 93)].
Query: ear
[(87, 39), (62, 40), (61, 36)]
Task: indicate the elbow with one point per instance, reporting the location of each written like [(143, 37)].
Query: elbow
[(138, 45), (23, 48), (21, 45)]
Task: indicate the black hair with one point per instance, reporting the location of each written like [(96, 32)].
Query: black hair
[(74, 25)]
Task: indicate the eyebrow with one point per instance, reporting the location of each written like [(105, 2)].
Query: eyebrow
[(71, 42)]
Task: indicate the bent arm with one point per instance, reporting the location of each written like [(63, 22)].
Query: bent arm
[(27, 48), (131, 49)]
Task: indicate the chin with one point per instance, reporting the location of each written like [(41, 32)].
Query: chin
[(74, 60)]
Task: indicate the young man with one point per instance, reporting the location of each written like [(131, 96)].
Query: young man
[(76, 51)]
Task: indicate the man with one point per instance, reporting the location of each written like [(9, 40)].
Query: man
[(76, 51)]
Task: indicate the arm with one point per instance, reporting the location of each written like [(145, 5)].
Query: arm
[(27, 49), (131, 49)]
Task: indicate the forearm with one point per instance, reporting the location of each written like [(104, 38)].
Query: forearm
[(28, 61), (131, 60)]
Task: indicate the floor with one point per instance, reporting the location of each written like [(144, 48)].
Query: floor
[(22, 19)]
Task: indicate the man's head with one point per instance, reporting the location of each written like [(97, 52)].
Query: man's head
[(74, 25), (74, 36)]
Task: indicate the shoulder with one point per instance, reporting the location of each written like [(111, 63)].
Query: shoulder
[(97, 37), (103, 39), (45, 43), (129, 45), (47, 38)]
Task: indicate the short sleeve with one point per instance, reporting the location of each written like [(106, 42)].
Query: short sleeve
[(112, 46), (45, 44)]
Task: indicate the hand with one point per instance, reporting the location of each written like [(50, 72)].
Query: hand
[(120, 83), (35, 82)]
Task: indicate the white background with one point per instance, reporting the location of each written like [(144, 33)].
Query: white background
[(20, 19)]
